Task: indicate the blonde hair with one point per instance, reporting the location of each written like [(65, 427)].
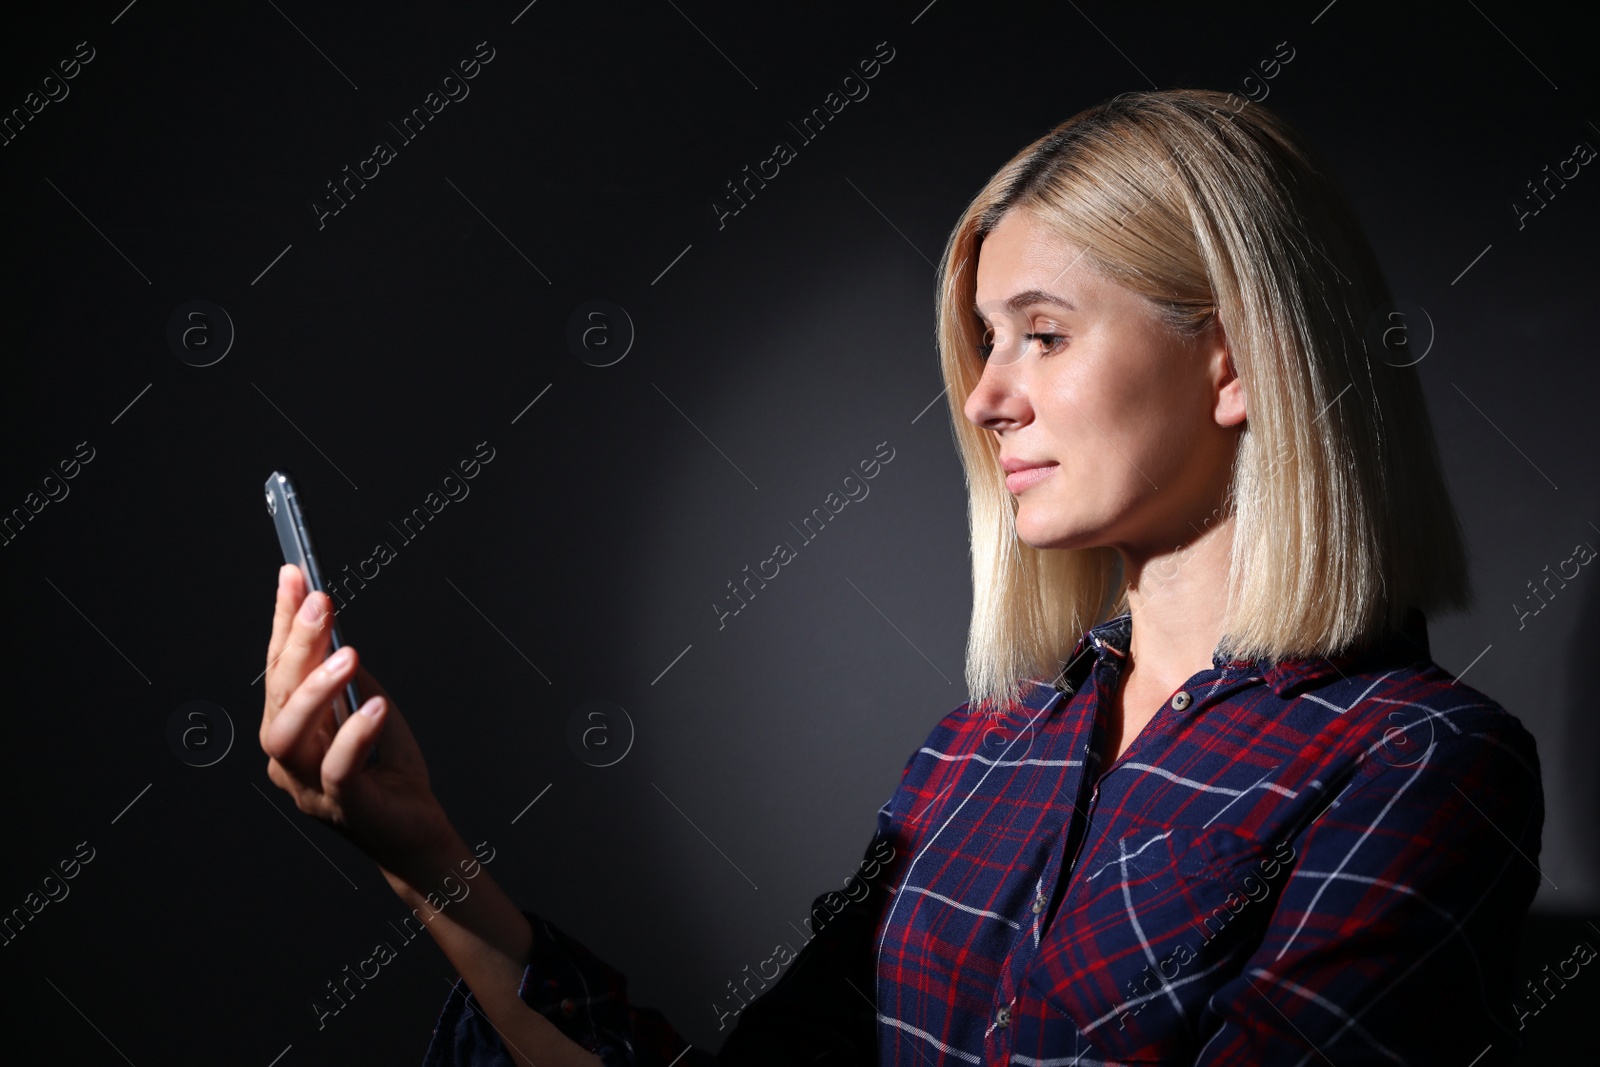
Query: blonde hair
[(1212, 207)]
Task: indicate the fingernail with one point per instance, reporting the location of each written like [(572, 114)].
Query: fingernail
[(372, 707), (283, 577), (338, 661), (311, 610)]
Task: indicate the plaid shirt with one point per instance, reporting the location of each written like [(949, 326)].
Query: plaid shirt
[(1308, 861)]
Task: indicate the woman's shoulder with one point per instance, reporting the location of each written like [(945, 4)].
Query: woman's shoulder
[(968, 720), (978, 734), (1414, 713)]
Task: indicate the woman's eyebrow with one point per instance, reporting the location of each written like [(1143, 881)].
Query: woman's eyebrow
[(1027, 299), (1032, 297)]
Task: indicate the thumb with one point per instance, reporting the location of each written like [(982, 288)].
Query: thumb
[(347, 754)]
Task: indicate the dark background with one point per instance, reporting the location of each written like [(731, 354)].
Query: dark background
[(773, 355)]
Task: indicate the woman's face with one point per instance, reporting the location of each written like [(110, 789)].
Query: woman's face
[(1131, 429)]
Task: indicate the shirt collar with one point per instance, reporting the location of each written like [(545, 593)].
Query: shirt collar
[(1108, 641)]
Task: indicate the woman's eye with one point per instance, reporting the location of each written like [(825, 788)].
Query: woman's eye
[(1048, 342), (986, 346)]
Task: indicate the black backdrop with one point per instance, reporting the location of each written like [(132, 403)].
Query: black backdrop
[(763, 355)]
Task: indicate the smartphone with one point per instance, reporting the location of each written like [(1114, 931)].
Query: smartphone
[(289, 518)]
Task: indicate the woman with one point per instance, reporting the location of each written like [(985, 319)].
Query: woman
[(1211, 802)]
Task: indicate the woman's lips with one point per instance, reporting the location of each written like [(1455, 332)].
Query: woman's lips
[(1023, 479)]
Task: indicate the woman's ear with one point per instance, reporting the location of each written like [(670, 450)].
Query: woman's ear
[(1229, 406), (1230, 409)]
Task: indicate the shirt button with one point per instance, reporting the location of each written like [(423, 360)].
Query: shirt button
[(1002, 1018), (1038, 904), (1180, 700), (568, 1007)]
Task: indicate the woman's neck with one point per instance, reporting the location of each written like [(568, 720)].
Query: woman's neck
[(1176, 599)]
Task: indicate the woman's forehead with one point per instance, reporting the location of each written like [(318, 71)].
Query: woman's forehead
[(1022, 263)]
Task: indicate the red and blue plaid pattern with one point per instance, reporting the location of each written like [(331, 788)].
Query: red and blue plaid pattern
[(1309, 861)]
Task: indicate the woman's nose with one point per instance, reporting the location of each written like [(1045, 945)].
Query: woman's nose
[(998, 400)]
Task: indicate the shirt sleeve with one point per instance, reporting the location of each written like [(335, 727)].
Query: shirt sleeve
[(820, 1012), (581, 994), (823, 1011), (1394, 939)]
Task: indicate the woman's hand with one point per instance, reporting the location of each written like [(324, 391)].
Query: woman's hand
[(388, 810), (391, 814)]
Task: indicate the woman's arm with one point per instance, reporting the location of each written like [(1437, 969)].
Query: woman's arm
[(823, 1007), (388, 810), (526, 977), (488, 939)]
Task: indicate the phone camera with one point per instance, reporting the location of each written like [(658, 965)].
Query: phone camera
[(272, 505)]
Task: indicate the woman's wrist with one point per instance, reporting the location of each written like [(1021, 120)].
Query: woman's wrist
[(489, 941), (448, 881), (423, 870)]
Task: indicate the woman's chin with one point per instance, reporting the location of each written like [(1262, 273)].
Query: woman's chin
[(1047, 534)]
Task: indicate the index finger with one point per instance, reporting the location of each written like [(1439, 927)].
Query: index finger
[(291, 591)]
